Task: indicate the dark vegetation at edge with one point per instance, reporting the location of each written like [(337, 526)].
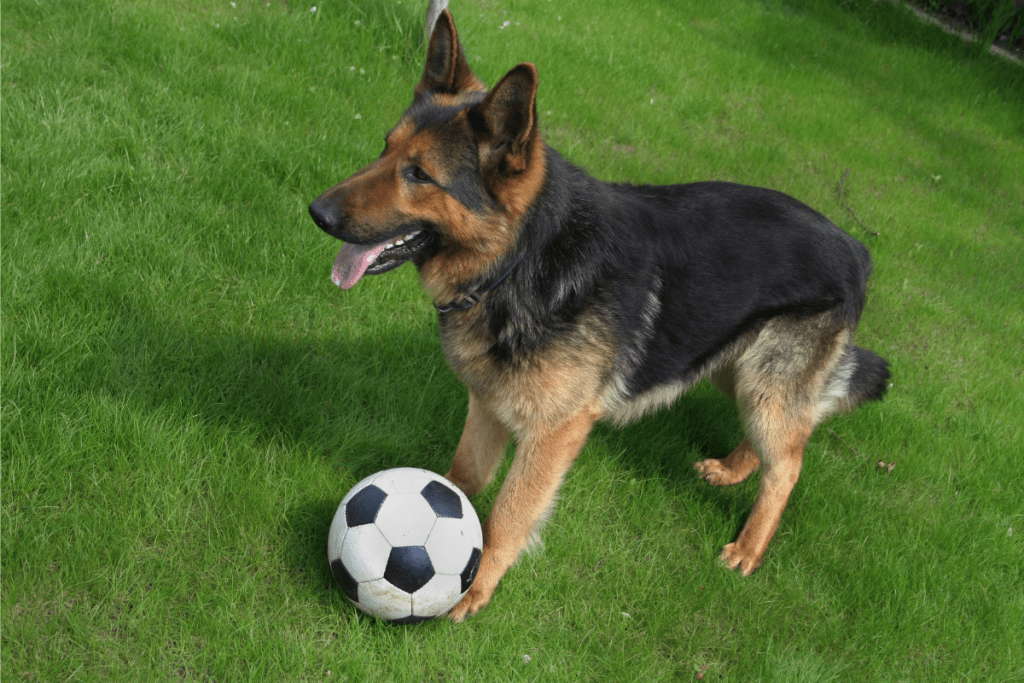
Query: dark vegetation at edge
[(995, 22)]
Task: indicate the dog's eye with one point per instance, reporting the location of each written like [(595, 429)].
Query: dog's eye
[(418, 175)]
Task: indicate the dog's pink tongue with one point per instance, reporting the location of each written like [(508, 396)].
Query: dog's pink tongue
[(352, 262)]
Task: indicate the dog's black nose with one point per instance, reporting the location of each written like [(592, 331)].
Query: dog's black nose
[(325, 214), (320, 214)]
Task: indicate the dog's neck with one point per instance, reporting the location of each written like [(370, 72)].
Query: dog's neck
[(467, 300)]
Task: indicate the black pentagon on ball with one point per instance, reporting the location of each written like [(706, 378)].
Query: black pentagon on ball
[(364, 506), (444, 501), (409, 568), (348, 584), (469, 573)]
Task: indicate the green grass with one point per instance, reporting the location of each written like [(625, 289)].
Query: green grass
[(186, 397)]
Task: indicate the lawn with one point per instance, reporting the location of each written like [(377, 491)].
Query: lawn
[(186, 397)]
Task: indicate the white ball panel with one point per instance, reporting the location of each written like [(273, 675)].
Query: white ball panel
[(383, 600), (405, 479), (405, 519), (336, 536), (438, 596), (365, 552), (474, 532), (450, 543)]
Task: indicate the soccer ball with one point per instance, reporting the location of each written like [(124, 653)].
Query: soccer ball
[(405, 545)]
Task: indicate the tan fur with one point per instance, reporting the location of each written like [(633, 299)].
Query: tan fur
[(733, 468), (514, 188), (376, 200), (550, 401), (780, 470), (543, 389), (482, 237), (481, 448), (778, 384), (544, 455)]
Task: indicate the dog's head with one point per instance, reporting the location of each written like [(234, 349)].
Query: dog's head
[(458, 173)]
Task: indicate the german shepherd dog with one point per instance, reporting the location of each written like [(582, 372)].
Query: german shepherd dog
[(564, 299)]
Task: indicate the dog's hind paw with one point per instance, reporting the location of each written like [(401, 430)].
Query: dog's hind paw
[(732, 469), (714, 472)]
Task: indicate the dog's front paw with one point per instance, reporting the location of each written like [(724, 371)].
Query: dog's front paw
[(472, 602), (735, 557), (480, 593)]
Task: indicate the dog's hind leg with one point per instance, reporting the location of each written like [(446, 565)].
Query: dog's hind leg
[(480, 449), (781, 469), (779, 383), (742, 461), (733, 468)]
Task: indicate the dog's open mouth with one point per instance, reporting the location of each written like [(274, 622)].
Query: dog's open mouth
[(356, 260)]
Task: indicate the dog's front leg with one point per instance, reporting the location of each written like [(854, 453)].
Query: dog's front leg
[(542, 459), (480, 449)]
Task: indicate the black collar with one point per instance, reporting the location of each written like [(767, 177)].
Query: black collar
[(474, 298)]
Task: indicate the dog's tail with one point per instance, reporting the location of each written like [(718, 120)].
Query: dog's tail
[(861, 376), (870, 379)]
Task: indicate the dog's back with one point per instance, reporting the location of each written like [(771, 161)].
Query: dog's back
[(685, 276)]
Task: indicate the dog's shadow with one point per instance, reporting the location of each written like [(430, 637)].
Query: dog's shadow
[(665, 445), (377, 398)]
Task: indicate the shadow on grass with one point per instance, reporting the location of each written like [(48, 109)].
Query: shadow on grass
[(385, 398), (665, 445), (304, 549)]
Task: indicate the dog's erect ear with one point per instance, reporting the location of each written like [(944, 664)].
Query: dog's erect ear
[(508, 115), (447, 70)]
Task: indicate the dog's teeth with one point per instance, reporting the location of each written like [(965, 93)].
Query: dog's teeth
[(402, 240)]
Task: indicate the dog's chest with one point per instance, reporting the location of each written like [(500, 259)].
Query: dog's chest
[(543, 384)]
